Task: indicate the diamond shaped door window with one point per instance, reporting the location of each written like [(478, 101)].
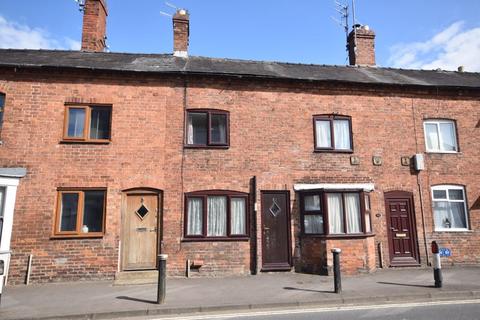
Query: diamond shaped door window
[(275, 208), (142, 212)]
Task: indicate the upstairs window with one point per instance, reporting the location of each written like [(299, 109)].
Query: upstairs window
[(333, 133), (440, 136), (216, 214), (335, 213), (88, 123), (80, 213), (449, 208), (207, 128), (2, 106)]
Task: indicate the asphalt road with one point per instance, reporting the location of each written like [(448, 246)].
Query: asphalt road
[(457, 310)]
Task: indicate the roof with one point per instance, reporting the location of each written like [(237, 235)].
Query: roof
[(168, 64)]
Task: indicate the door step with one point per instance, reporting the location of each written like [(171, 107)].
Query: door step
[(136, 277)]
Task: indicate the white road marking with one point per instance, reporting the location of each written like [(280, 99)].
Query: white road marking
[(318, 310)]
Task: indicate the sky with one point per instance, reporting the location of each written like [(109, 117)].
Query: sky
[(413, 34)]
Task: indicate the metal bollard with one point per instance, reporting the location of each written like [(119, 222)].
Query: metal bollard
[(336, 270), (437, 265), (162, 278)]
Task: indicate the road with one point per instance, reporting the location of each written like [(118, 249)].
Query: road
[(454, 310)]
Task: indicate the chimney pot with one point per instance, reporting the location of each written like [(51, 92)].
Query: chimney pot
[(361, 46), (181, 33), (94, 25)]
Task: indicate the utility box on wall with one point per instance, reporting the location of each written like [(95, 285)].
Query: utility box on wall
[(419, 162)]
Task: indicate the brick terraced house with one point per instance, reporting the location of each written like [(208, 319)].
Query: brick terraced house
[(230, 166)]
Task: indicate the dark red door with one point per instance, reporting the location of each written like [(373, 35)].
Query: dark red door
[(402, 238), (275, 230)]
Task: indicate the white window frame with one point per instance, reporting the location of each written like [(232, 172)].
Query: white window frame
[(445, 188), (10, 185), (440, 139)]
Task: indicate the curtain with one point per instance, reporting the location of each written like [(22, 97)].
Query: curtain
[(313, 223), (323, 134), (432, 136), (218, 130), (448, 137), (352, 210), (76, 122), (238, 217), (457, 214), (217, 216), (100, 123), (195, 221), (335, 212), (449, 215), (312, 203), (368, 225), (341, 129), (190, 130)]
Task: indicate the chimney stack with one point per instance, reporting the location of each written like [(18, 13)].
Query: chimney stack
[(181, 32), (361, 46), (94, 25)]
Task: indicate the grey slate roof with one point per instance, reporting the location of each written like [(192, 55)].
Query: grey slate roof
[(166, 63)]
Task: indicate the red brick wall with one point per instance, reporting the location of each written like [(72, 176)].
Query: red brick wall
[(94, 25), (271, 137)]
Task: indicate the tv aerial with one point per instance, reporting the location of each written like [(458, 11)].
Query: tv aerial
[(81, 5), (168, 4), (343, 9)]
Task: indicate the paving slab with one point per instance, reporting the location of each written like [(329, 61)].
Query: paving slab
[(102, 299)]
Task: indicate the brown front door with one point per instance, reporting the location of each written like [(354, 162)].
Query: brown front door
[(402, 237), (140, 235), (275, 230)]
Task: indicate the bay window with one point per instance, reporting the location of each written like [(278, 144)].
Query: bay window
[(216, 215), (329, 212)]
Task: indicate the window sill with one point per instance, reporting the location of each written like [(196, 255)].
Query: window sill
[(339, 236), (186, 146), (443, 152), (85, 142), (453, 230), (214, 239), (332, 151), (75, 236)]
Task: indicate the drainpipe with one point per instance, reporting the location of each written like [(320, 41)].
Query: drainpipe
[(419, 185)]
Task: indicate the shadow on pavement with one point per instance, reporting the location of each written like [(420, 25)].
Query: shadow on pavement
[(137, 299), (406, 285), (308, 290)]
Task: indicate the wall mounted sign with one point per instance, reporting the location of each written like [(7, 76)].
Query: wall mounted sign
[(377, 160), (445, 252), (405, 161)]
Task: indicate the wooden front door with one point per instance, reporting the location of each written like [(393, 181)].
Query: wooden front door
[(275, 230), (402, 236), (140, 236)]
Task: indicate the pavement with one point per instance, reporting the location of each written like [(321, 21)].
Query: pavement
[(103, 300)]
